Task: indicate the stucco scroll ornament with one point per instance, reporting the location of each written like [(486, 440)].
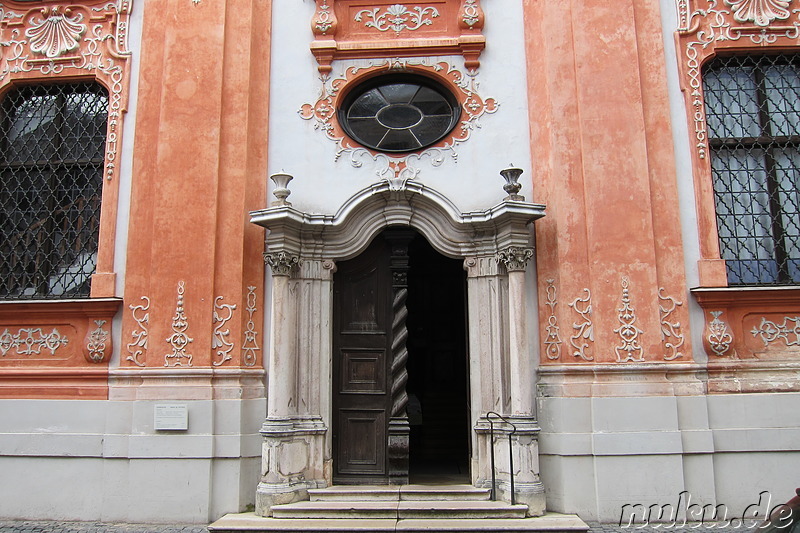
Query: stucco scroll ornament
[(57, 33), (220, 342), (138, 344), (397, 18), (96, 343), (553, 341), (584, 330), (179, 340), (281, 263), (671, 334), (788, 331), (397, 170), (31, 341), (760, 12), (718, 336), (250, 346), (629, 349)]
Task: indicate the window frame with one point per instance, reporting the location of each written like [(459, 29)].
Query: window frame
[(109, 65), (55, 164), (755, 67), (359, 90), (702, 34)]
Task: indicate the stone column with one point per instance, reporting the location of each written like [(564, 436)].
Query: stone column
[(520, 359), (503, 370), (282, 366), (293, 449), (488, 368)]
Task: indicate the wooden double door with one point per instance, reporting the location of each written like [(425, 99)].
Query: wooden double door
[(400, 392)]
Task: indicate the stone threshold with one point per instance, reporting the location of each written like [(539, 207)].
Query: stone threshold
[(249, 522)]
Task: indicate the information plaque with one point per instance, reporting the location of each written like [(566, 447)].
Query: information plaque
[(171, 417)]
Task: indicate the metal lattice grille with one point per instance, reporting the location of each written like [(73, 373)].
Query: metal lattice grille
[(753, 116), (52, 148)]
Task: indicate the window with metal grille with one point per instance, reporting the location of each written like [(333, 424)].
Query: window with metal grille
[(52, 149), (753, 115)]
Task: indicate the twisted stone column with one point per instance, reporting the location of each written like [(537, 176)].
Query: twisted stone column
[(399, 375), (399, 429)]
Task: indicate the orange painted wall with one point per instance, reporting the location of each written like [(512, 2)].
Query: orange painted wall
[(199, 168), (600, 133)]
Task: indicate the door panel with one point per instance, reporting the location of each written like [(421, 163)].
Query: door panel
[(362, 337), (360, 314), (365, 453), (363, 372)]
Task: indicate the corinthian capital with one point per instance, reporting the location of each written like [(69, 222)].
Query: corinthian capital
[(281, 263), (514, 258)]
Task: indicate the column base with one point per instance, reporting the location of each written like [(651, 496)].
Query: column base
[(292, 461), (399, 432), (528, 488)]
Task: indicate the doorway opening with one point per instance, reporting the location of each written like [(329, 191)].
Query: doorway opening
[(435, 443), (438, 387)]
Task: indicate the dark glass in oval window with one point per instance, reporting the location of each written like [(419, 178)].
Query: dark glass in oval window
[(399, 114)]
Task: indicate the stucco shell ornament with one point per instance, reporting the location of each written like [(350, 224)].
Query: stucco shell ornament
[(760, 12), (398, 169), (56, 33)]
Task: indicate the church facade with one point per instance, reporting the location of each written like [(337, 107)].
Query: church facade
[(252, 247)]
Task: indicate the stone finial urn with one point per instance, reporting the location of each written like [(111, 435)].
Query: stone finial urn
[(281, 192), (512, 186)]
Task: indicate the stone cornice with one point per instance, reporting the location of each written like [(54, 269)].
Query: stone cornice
[(347, 232)]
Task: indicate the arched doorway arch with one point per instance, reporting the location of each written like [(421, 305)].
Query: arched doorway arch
[(303, 250)]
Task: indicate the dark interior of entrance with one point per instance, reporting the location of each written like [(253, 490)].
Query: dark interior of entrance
[(437, 387)]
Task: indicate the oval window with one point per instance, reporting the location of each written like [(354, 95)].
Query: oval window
[(399, 113)]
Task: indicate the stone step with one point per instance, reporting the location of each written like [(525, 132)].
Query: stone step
[(399, 492), (250, 523), (400, 509)]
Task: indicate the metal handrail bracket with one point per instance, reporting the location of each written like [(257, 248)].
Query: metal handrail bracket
[(510, 454)]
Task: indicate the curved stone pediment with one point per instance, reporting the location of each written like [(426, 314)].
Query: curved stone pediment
[(349, 231)]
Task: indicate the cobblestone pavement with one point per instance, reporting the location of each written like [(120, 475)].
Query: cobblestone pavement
[(594, 527), (94, 527), (98, 527)]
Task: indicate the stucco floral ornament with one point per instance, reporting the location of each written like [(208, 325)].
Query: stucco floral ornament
[(56, 33), (397, 17), (398, 169), (760, 12), (98, 349)]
